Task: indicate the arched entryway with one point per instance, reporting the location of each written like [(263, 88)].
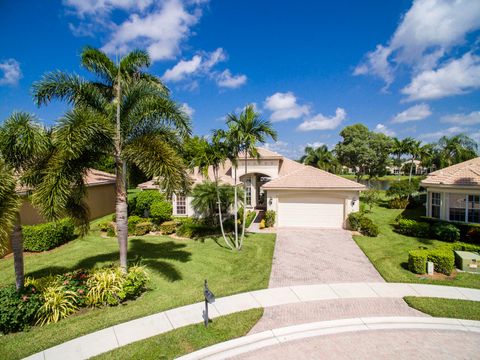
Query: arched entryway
[(256, 196)]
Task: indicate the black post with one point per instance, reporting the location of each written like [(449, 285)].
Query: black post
[(209, 299)]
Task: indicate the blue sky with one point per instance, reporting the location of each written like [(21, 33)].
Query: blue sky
[(405, 68)]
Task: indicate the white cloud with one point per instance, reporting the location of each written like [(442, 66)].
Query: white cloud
[(187, 109), (92, 7), (182, 69), (458, 76), (427, 32), (284, 106), (451, 131), (227, 80), (322, 122), (414, 113), (11, 73), (213, 58), (380, 128), (462, 119), (160, 31)]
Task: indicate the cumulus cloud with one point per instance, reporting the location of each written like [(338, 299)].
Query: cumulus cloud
[(427, 32), (380, 128), (187, 109), (10, 72), (451, 131), (225, 79), (284, 106), (458, 76), (414, 113), (92, 7), (182, 69), (472, 118), (322, 122)]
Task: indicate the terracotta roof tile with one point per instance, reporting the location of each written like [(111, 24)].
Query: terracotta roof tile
[(466, 173)]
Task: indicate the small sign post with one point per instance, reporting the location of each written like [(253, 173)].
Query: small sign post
[(209, 299)]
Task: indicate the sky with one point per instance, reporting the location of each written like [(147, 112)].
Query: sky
[(403, 68)]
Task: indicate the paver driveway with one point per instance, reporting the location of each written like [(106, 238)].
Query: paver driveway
[(316, 256)]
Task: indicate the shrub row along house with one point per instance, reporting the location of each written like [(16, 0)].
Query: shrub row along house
[(454, 192), (301, 196)]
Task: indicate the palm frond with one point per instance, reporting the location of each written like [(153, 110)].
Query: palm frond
[(10, 203), (97, 62)]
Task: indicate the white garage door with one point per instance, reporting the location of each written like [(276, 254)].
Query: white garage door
[(310, 211)]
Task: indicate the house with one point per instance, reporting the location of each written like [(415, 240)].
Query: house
[(100, 198), (301, 196), (404, 168), (453, 193)]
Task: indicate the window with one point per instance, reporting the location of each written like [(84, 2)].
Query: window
[(248, 192), (436, 205), (181, 205), (457, 204), (474, 208)]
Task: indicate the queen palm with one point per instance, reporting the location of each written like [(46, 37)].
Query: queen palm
[(319, 157), (126, 113), (456, 149), (246, 131)]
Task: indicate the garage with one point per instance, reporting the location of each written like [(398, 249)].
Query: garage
[(309, 211)]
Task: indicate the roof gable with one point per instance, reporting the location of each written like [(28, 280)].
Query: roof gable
[(466, 173)]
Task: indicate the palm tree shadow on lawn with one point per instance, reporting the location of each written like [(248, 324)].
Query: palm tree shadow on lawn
[(156, 256)]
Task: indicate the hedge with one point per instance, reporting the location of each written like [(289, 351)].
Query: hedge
[(168, 227), (446, 232), (354, 220), (145, 199), (132, 223), (368, 228), (417, 261), (443, 260), (413, 228), (143, 228), (468, 232), (161, 211), (47, 236)]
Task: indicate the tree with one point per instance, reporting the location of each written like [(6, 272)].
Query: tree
[(456, 149), (205, 200), (412, 148), (319, 157), (398, 149), (364, 151), (24, 146), (370, 197), (125, 113), (245, 131)]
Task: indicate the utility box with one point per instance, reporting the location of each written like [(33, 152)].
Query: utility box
[(467, 261)]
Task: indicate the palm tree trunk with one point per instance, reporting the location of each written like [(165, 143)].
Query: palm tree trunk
[(235, 208), (411, 170), (220, 215), (17, 249), (244, 223), (399, 166)]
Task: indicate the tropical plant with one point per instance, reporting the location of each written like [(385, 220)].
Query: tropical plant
[(398, 149), (58, 303), (205, 198), (105, 287), (456, 149), (412, 148), (319, 157), (370, 197), (245, 132), (124, 112)]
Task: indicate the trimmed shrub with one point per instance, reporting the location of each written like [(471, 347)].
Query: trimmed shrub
[(112, 230), (143, 228), (132, 223), (461, 246), (413, 228), (417, 261), (18, 309), (269, 218), (161, 211), (443, 260), (354, 220), (47, 236), (446, 232), (168, 227), (145, 199), (368, 228), (398, 203), (468, 232)]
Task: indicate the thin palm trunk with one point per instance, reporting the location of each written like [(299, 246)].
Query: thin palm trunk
[(17, 249), (220, 211), (399, 166), (244, 223), (411, 170), (235, 208)]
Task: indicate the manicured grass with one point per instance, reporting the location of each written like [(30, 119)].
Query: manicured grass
[(188, 339), (389, 252), (450, 308), (177, 270)]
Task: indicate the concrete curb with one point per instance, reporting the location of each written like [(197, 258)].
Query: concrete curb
[(257, 341), (119, 335)]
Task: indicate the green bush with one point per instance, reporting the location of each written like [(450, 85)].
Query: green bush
[(132, 223), (193, 230), (58, 303), (269, 218), (461, 246), (354, 220), (18, 310), (443, 260), (446, 232), (161, 211), (144, 201), (132, 205), (135, 282), (143, 228), (417, 261), (468, 232), (368, 228), (403, 189), (168, 227), (103, 226), (44, 237), (413, 228), (111, 230), (398, 203)]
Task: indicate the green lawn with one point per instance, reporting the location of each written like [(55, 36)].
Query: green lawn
[(459, 309), (177, 269), (188, 339), (389, 252)]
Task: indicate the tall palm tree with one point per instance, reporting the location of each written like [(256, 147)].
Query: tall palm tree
[(246, 131), (319, 157), (398, 149), (24, 145), (124, 112), (456, 149)]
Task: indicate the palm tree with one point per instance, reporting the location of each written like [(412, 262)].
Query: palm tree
[(319, 157), (246, 131), (126, 113), (456, 149), (24, 145), (398, 149)]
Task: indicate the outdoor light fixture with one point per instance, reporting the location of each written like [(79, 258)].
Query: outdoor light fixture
[(354, 201), (270, 201), (209, 299)]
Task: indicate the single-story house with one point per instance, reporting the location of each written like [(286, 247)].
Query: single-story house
[(100, 198), (301, 196), (453, 193)]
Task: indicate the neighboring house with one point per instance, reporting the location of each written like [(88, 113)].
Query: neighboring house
[(100, 198), (404, 168), (453, 193), (301, 196)]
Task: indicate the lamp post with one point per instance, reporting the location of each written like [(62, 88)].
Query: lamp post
[(209, 299)]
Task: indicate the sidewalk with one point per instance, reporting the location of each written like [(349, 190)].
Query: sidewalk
[(119, 335)]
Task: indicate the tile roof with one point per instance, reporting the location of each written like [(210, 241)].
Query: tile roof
[(466, 173)]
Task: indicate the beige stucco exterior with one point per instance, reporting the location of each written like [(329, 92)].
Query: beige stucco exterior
[(445, 192)]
